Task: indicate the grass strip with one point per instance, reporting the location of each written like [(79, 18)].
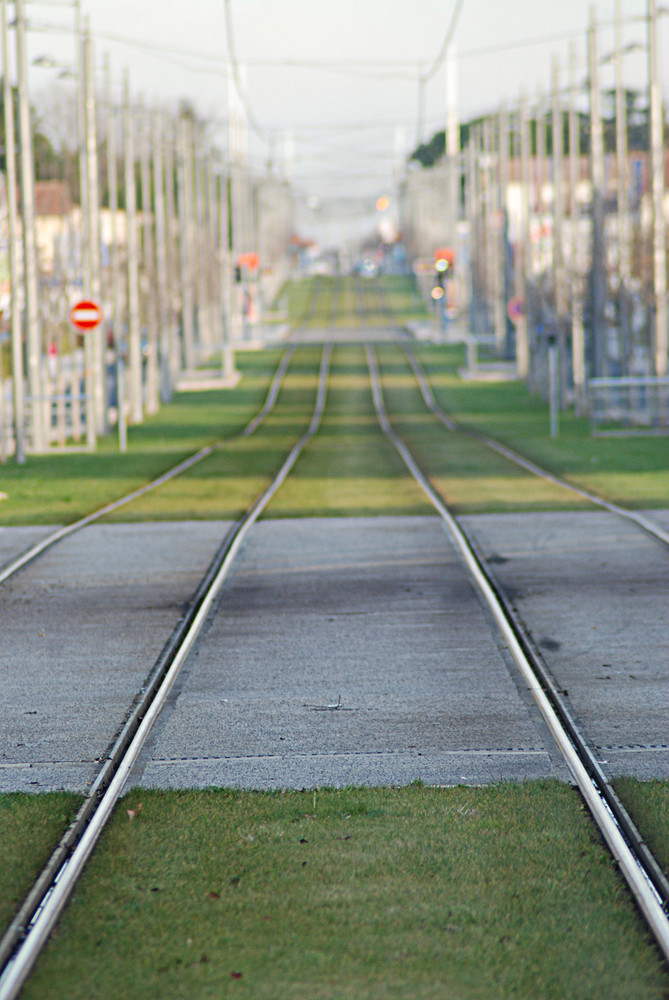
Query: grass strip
[(349, 468), (400, 302), (631, 471), (59, 488), (470, 476), (30, 828), (467, 893), (648, 803), (226, 483)]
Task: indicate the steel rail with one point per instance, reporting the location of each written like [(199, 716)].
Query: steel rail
[(643, 522), (638, 878), (54, 899), (36, 550)]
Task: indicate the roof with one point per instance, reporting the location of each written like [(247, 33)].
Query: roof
[(52, 198)]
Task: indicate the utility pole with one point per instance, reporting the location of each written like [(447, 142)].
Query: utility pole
[(227, 285), (14, 304), (559, 276), (162, 288), (577, 331), (623, 206), (200, 242), (149, 267), (92, 223), (117, 325), (503, 216), (185, 248), (174, 344), (495, 235), (134, 329), (598, 295), (30, 277), (538, 343), (524, 263), (657, 176)]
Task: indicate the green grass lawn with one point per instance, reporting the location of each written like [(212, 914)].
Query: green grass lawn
[(632, 471), (30, 827), (52, 489), (467, 893), (648, 803), (470, 476), (349, 468), (226, 483)]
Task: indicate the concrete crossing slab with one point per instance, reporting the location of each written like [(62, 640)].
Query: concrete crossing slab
[(347, 651), (80, 630), (593, 590)]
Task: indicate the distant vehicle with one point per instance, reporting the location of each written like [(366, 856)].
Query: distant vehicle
[(368, 268)]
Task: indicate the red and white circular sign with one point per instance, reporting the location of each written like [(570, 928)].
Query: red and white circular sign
[(86, 315)]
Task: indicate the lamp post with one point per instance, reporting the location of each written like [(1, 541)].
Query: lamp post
[(33, 331), (15, 308)]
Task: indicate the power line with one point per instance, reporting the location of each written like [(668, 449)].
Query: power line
[(445, 44), (235, 74)]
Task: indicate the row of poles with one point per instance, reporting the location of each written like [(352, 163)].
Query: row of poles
[(577, 278), (528, 217), (178, 218)]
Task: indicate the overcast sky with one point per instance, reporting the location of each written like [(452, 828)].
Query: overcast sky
[(341, 76)]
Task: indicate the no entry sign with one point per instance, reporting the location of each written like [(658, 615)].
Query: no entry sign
[(86, 315)]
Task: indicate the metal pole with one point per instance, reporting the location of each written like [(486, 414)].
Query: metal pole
[(577, 332), (559, 275), (117, 326), (161, 258), (537, 329), (523, 265), (200, 243), (185, 226), (152, 404), (226, 276), (554, 394), (14, 302), (503, 215), (96, 337), (657, 174), (598, 297), (174, 345), (623, 207), (30, 278), (134, 331)]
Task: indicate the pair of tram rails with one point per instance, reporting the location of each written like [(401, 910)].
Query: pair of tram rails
[(28, 932)]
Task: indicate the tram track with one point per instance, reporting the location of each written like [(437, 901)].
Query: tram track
[(28, 932), (643, 874), (655, 530), (451, 424), (59, 534), (655, 893)]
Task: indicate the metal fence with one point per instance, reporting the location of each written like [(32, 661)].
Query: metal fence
[(633, 405)]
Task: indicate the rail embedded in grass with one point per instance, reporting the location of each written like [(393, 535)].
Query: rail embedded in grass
[(36, 550), (44, 904), (641, 520), (642, 873), (479, 893)]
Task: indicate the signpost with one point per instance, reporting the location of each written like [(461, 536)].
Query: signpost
[(86, 316)]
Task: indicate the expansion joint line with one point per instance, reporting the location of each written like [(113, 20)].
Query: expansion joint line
[(647, 896), (51, 906)]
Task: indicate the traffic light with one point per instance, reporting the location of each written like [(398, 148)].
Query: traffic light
[(444, 259)]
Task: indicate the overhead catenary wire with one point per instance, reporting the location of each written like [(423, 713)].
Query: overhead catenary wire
[(234, 66), (446, 43)]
